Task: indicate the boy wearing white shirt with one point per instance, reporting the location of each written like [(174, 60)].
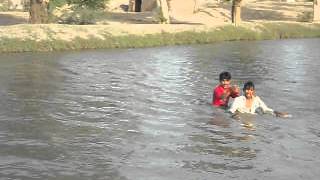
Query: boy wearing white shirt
[(248, 103)]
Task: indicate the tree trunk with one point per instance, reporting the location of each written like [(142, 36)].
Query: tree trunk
[(236, 12), (196, 6), (163, 11), (38, 11), (316, 11), (132, 4)]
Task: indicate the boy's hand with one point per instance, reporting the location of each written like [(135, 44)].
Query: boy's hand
[(236, 115), (235, 89), (282, 114)]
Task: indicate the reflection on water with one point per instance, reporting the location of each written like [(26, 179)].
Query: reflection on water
[(142, 113)]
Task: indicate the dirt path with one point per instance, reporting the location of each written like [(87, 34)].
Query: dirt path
[(205, 12), (200, 11), (215, 12)]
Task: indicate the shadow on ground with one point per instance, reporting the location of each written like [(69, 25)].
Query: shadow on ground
[(6, 19), (131, 17), (270, 15)]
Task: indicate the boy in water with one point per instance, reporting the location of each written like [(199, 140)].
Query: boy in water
[(224, 91), (250, 103)]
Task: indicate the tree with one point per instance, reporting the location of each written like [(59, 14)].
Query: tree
[(38, 11), (196, 6), (39, 8), (163, 9), (93, 4), (236, 12), (316, 11)]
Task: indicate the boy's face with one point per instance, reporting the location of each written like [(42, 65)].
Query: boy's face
[(249, 93), (225, 83)]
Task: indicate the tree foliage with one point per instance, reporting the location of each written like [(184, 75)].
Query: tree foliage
[(93, 4)]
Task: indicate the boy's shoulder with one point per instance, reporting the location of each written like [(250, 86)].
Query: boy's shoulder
[(218, 87), (240, 98), (257, 98)]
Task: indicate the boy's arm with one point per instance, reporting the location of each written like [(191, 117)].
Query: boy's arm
[(264, 107), (282, 114), (234, 106), (273, 112), (217, 96), (235, 91)]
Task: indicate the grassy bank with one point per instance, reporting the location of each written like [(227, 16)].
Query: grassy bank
[(107, 37)]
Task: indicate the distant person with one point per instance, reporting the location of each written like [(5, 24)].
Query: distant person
[(250, 103), (223, 91)]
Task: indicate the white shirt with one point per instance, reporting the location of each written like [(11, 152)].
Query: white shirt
[(239, 104)]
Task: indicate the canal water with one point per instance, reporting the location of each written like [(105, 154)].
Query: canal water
[(145, 114)]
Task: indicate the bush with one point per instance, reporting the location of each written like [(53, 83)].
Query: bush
[(4, 5), (81, 16), (93, 4), (305, 17), (56, 3)]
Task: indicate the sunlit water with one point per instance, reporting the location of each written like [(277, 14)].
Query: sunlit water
[(145, 113)]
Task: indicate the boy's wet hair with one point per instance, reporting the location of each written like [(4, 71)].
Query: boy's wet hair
[(224, 75), (248, 85)]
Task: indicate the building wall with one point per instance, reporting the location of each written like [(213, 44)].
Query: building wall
[(17, 4), (148, 5)]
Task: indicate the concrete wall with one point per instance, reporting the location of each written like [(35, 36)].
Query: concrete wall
[(148, 5)]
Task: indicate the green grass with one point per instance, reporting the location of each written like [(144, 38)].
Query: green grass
[(284, 31), (227, 33)]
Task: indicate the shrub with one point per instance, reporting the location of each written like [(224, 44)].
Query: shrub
[(93, 4), (305, 17), (81, 16)]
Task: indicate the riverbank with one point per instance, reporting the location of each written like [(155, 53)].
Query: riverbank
[(117, 28), (55, 37)]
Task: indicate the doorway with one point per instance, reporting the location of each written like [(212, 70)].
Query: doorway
[(138, 4)]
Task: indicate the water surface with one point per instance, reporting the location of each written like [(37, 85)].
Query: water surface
[(145, 113)]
